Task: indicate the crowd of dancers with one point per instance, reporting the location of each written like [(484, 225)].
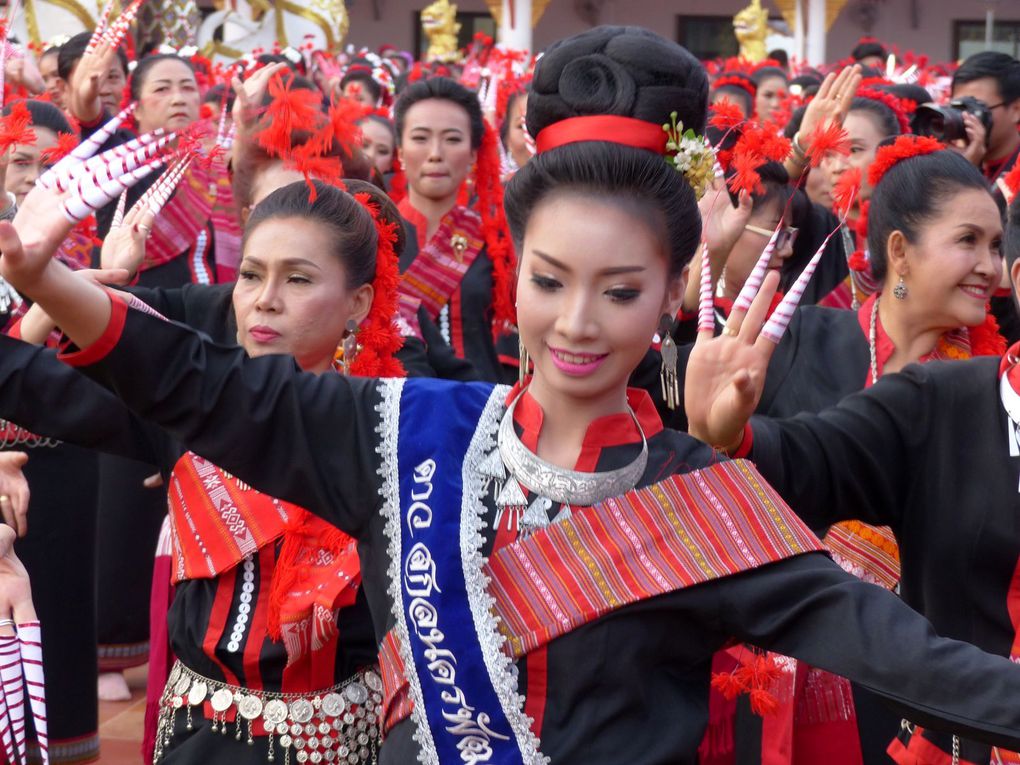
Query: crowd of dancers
[(601, 406)]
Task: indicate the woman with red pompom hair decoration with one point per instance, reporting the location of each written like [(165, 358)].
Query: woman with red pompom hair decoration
[(486, 647), (464, 271), (934, 238), (318, 282)]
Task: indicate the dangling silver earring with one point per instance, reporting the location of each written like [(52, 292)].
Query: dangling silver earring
[(667, 375), (349, 346), (900, 291), (525, 361)]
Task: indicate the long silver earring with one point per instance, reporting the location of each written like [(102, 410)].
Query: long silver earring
[(670, 356), (525, 361), (900, 291)]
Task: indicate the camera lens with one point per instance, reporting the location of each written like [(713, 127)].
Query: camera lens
[(942, 122)]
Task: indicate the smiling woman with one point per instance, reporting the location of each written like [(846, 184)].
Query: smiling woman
[(473, 504)]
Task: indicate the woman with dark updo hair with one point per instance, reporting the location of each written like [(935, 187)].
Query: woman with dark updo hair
[(549, 570)]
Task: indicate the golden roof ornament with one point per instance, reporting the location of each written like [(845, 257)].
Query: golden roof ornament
[(751, 26), (439, 23)]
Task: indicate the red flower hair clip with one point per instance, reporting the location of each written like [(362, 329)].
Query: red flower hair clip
[(737, 81), (904, 147)]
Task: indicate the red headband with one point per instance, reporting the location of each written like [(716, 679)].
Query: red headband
[(603, 127)]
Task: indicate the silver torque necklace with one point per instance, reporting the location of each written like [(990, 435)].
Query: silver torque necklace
[(568, 487)]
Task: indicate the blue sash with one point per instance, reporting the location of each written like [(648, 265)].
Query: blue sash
[(466, 705)]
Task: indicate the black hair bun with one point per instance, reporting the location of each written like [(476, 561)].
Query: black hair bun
[(626, 71)]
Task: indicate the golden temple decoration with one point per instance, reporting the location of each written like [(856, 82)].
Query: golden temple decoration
[(751, 26), (439, 22)]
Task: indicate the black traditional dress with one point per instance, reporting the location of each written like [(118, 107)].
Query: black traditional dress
[(637, 672)]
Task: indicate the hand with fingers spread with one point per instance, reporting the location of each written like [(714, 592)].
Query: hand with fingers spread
[(29, 244), (15, 586), (722, 224), (83, 93), (14, 493), (124, 246), (829, 106), (249, 95), (726, 374)]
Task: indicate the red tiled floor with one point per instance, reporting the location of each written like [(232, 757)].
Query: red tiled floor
[(120, 724)]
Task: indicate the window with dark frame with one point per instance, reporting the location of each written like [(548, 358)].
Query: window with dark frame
[(707, 37), (969, 38)]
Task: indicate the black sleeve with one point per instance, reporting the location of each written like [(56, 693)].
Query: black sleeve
[(853, 461), (443, 361), (51, 399), (832, 268), (304, 438), (808, 608)]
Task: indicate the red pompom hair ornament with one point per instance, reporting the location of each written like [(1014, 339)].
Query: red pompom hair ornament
[(904, 147), (16, 127), (824, 140), (378, 335), (66, 143), (744, 83), (846, 190), (724, 115)]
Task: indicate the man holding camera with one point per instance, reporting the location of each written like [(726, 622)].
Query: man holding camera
[(993, 79)]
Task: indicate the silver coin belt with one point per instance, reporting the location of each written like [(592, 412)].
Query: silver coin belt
[(336, 725)]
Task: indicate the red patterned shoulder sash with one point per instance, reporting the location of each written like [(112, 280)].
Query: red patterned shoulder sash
[(686, 530), (437, 270)]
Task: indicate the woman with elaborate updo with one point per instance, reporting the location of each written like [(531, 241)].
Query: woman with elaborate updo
[(549, 570), (463, 273)]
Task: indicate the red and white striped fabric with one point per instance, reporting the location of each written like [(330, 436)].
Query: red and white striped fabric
[(30, 638), (14, 691)]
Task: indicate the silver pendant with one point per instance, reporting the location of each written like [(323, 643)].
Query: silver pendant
[(536, 516)]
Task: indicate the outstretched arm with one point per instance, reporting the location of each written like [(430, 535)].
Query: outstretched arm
[(809, 608)]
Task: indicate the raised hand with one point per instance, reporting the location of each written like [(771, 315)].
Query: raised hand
[(249, 94), (723, 223), (83, 94), (726, 374), (14, 493), (124, 246), (831, 103), (29, 244), (23, 71)]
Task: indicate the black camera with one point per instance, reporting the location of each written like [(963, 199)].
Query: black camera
[(946, 122)]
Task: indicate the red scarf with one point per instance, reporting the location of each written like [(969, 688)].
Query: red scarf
[(202, 207), (443, 259), (217, 520)]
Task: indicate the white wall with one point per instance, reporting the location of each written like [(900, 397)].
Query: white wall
[(933, 36)]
